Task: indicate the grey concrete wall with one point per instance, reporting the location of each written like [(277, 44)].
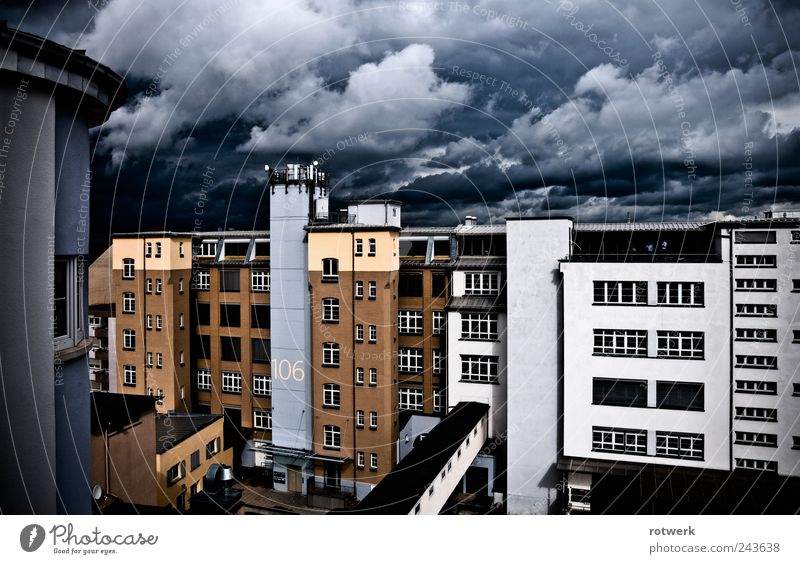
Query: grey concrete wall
[(27, 203)]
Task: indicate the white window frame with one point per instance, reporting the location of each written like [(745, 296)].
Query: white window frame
[(613, 292), (360, 419), (129, 375), (262, 419), (479, 368), (359, 376), (687, 446), (766, 414), (203, 280), (332, 437), (330, 354), (359, 333), (409, 360), (409, 322), (756, 310), (148, 287), (159, 322), (681, 344), (128, 268), (482, 283), (759, 387), (330, 269), (373, 334), (231, 382), (207, 249), (149, 321), (373, 248), (764, 362), (753, 464), (262, 385), (756, 261), (438, 362), (359, 290), (620, 441), (756, 285), (373, 290), (128, 302), (159, 360), (373, 461), (260, 280), (373, 376), (331, 395), (149, 361), (373, 420), (438, 403), (180, 320), (620, 342), (438, 321), (479, 326), (745, 334), (129, 339), (330, 310), (359, 250), (158, 249), (159, 286), (148, 253), (360, 459), (411, 398), (203, 379)]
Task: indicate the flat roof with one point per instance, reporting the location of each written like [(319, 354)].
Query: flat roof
[(174, 428)]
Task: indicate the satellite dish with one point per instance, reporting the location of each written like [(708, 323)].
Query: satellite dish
[(97, 492)]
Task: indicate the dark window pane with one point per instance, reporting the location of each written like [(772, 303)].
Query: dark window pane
[(441, 248), (411, 284), (439, 284), (202, 346), (236, 249), (229, 280), (262, 249), (755, 237), (231, 348), (679, 395), (259, 316), (203, 313), (229, 315), (413, 248), (260, 350), (626, 393), (60, 298)]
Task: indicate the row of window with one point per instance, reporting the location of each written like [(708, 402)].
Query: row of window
[(409, 361), (669, 444), (763, 335), (361, 460), (633, 342), (359, 247), (332, 439), (233, 249), (687, 396), (230, 315), (232, 382), (160, 322), (178, 470), (159, 360), (412, 399), (230, 348), (614, 292), (409, 322), (260, 280)]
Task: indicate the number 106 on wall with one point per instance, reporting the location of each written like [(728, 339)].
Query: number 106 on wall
[(286, 370)]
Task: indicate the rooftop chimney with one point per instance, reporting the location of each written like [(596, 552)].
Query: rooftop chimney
[(470, 220)]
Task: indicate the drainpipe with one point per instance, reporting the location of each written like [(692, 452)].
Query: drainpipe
[(353, 350)]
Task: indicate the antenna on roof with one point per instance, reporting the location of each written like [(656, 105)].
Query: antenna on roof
[(629, 217)]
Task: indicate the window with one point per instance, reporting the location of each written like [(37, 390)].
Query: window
[(260, 280), (411, 398), (620, 342), (262, 385), (478, 368), (159, 286), (229, 280), (331, 395), (439, 285), (359, 333), (482, 283), (756, 439), (149, 321), (128, 268), (203, 311), (158, 249), (756, 361), (180, 250), (202, 280), (438, 362), (149, 360), (613, 292), (680, 344), (332, 437), (359, 247), (203, 379), (148, 249), (159, 323), (360, 460), (681, 293), (796, 283), (212, 448), (796, 390), (756, 285), (262, 419), (373, 376), (195, 461), (757, 414), (796, 335), (359, 376), (128, 339), (373, 247), (129, 372), (625, 441), (409, 322), (159, 360), (373, 461), (261, 350), (373, 334), (795, 236), (680, 395), (438, 321), (373, 420), (208, 249), (180, 320), (360, 419), (756, 261), (359, 290), (756, 387), (754, 237), (261, 249), (128, 302), (330, 354), (202, 346), (229, 315), (758, 335), (756, 310), (410, 285), (235, 249), (175, 473), (180, 285), (330, 310), (479, 326), (230, 348), (761, 465), (330, 270), (373, 290), (438, 401), (259, 316), (180, 358), (624, 393), (409, 361), (232, 382), (679, 445), (148, 287)]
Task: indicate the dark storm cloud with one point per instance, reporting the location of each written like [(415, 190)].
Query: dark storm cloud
[(591, 108)]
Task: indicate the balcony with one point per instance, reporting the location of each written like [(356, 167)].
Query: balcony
[(330, 494)]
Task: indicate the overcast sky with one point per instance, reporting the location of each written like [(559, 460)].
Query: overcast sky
[(676, 109)]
